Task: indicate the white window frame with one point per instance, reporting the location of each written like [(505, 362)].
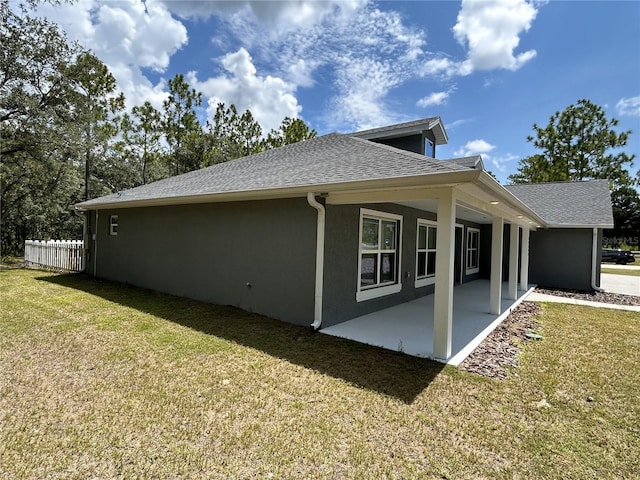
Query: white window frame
[(379, 290), (470, 270), (113, 225), (426, 279)]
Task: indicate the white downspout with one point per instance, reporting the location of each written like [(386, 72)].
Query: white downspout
[(594, 261), (83, 214), (317, 313), (95, 249)]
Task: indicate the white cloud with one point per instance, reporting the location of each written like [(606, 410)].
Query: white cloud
[(500, 163), (276, 16), (356, 51), (474, 147), (491, 32), (497, 163), (127, 36), (363, 84), (629, 106), (269, 98), (435, 98)]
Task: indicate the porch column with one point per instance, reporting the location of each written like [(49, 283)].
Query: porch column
[(524, 263), (496, 266), (513, 260), (443, 297)]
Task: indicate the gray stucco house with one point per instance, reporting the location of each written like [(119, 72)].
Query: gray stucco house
[(329, 229)]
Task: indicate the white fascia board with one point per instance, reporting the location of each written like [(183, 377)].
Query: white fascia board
[(432, 179), (488, 182), (577, 225)]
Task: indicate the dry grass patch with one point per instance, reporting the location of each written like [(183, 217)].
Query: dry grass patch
[(632, 272), (99, 380)]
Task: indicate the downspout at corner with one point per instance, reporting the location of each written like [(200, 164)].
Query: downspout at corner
[(317, 312), (95, 248), (594, 261), (83, 214)]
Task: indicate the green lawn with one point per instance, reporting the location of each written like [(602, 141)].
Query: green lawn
[(99, 380), (622, 271)]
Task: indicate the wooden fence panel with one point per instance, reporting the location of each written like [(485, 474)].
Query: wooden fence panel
[(62, 255)]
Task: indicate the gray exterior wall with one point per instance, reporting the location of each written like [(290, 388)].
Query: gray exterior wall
[(341, 274), (210, 252), (411, 143), (561, 258)]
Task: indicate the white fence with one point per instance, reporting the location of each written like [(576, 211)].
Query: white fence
[(66, 255)]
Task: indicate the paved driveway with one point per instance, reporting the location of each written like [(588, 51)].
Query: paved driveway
[(625, 284)]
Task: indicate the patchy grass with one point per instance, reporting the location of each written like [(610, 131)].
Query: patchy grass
[(8, 262), (633, 272), (107, 381)]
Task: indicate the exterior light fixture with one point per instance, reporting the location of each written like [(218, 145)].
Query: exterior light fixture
[(494, 202)]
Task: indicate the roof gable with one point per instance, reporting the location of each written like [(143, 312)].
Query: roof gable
[(568, 204), (415, 127)]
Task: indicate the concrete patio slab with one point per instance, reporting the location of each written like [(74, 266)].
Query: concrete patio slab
[(408, 327)]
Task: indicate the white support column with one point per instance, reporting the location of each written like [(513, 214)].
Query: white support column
[(514, 240), (524, 263), (496, 266), (443, 297)]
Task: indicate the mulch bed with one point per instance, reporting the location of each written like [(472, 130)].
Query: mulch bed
[(498, 353)]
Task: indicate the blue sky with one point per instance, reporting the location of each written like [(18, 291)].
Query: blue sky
[(489, 69)]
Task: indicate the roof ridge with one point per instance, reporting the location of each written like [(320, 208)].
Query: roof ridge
[(557, 182)]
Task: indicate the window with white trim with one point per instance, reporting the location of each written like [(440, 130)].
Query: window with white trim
[(113, 225), (426, 253), (379, 254), (473, 250)]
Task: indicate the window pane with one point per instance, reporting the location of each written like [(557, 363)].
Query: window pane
[(422, 237), (389, 235), (431, 263), (422, 264), (474, 239), (370, 233), (388, 270), (432, 238), (474, 258), (368, 269)]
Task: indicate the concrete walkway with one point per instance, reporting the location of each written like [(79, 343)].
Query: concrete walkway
[(541, 297), (623, 284)]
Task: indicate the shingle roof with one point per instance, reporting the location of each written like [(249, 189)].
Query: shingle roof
[(586, 203), (474, 162), (330, 159)]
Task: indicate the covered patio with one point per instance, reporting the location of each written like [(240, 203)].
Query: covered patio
[(408, 327)]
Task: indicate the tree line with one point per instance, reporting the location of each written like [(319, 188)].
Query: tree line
[(65, 135)]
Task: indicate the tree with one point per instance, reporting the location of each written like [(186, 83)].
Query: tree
[(233, 135), (38, 180), (95, 118), (292, 130), (581, 143), (141, 141), (180, 122)]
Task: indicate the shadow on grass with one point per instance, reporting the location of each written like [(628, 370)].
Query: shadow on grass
[(390, 373)]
